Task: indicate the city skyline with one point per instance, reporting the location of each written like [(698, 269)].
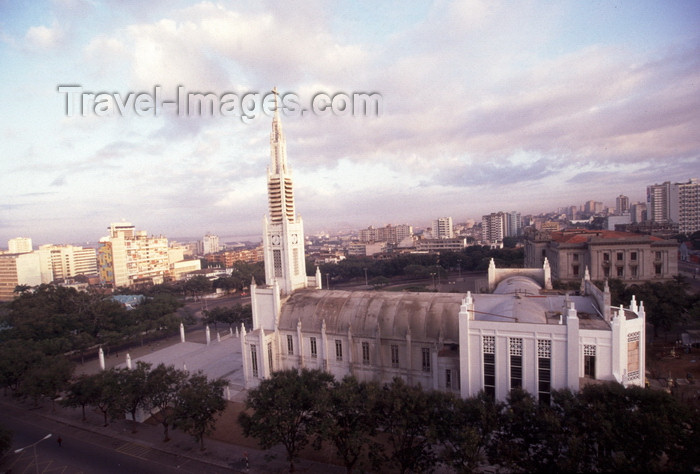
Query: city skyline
[(486, 107)]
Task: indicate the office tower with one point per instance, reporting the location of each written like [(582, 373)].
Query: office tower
[(493, 227), (659, 202), (18, 269), (442, 228), (622, 204), (210, 244), (128, 257), (67, 261), (685, 206), (19, 245)]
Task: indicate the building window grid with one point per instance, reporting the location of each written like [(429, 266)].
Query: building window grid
[(290, 345), (489, 354), (277, 262), (426, 359), (269, 356), (295, 253), (338, 350), (544, 370), (589, 355), (312, 343), (448, 378), (395, 355), (365, 353), (516, 362), (254, 359)]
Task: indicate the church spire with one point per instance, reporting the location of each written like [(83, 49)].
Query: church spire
[(278, 144), (279, 179)]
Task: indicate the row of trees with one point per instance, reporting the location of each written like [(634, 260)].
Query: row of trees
[(62, 320), (601, 428), (666, 303), (229, 315), (172, 397), (473, 258)]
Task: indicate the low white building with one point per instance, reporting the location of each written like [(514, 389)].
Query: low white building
[(521, 335)]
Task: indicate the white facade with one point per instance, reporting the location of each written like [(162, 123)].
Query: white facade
[(283, 230), (210, 244), (19, 245), (442, 228), (685, 206), (516, 336), (18, 269), (67, 261)]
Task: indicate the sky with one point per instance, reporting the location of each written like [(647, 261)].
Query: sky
[(486, 106)]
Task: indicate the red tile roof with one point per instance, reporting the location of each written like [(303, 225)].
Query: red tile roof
[(580, 236)]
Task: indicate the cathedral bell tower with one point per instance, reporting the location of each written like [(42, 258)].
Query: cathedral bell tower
[(283, 230)]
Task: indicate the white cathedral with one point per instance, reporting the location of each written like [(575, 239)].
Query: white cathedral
[(520, 334)]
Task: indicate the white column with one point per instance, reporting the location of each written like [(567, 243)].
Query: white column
[(182, 333), (102, 359), (128, 361), (572, 347)]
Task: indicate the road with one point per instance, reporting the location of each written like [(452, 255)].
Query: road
[(83, 451)]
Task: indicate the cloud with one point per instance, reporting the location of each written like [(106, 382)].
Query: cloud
[(43, 38)]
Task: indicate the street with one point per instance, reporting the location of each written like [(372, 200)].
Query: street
[(84, 451)]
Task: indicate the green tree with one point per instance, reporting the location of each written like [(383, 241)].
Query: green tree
[(83, 391), (108, 398), (403, 413), (47, 378), (463, 428), (162, 387), (349, 421), (133, 385), (199, 403), (640, 429), (198, 285), (287, 409), (529, 436)]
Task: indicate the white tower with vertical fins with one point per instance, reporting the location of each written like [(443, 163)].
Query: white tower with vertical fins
[(283, 230)]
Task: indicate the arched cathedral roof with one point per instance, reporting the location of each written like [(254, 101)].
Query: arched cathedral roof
[(393, 314)]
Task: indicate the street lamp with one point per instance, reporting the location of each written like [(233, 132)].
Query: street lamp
[(366, 284), (33, 445)]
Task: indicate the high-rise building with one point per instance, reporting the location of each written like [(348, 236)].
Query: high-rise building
[(659, 202), (685, 206), (493, 227), (67, 261), (622, 204), (442, 228), (19, 245), (497, 225), (513, 224), (593, 207), (389, 233), (210, 244), (128, 257), (638, 212), (18, 269)]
